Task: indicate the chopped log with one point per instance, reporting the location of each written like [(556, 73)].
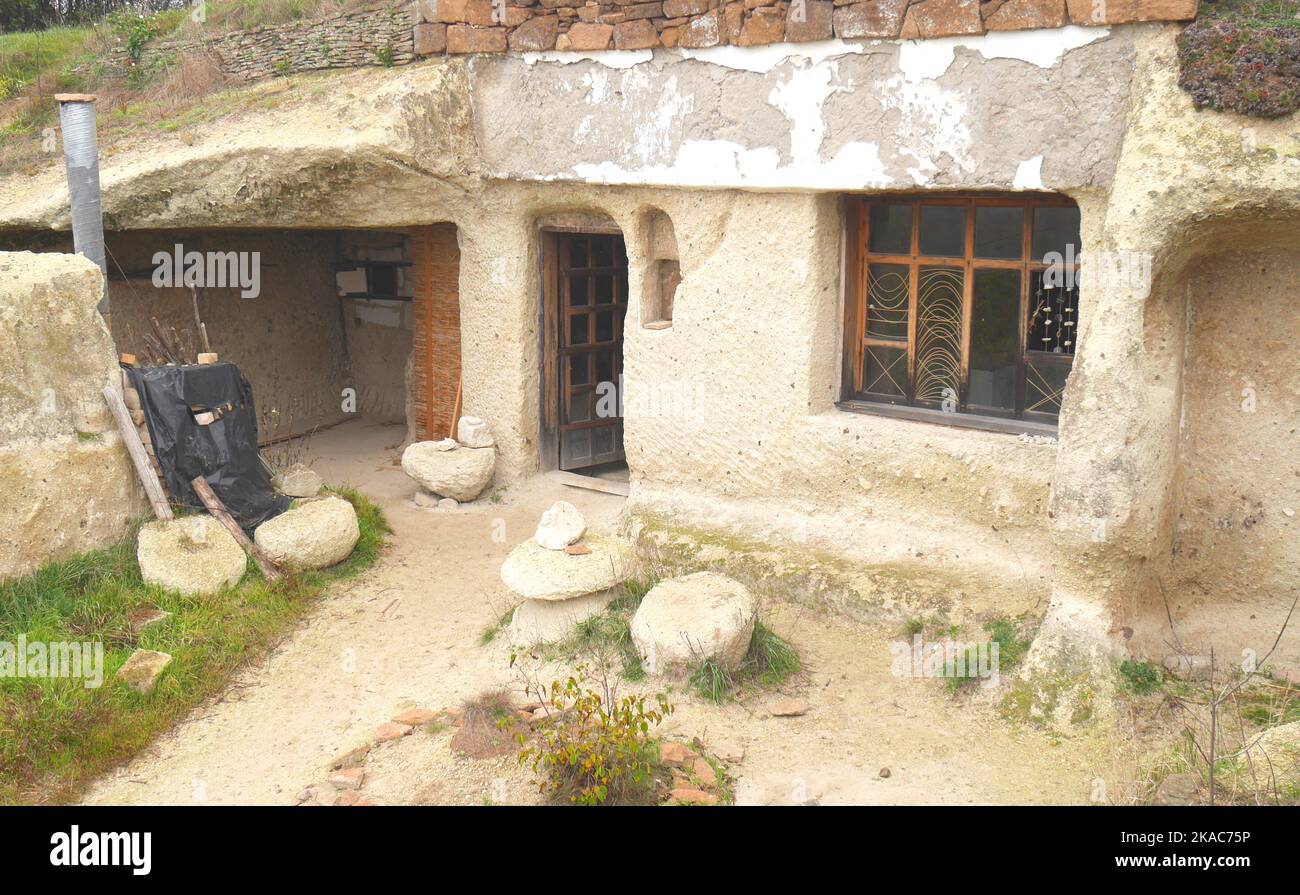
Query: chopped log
[(208, 357), (127, 360), (198, 324), (222, 515), (152, 487)]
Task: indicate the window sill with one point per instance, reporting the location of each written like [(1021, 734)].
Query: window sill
[(956, 420)]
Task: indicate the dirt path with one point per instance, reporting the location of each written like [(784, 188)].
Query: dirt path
[(407, 634)]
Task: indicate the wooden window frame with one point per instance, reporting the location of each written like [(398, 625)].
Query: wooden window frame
[(856, 339)]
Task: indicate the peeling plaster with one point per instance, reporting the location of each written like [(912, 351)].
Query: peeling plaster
[(1029, 175), (921, 60)]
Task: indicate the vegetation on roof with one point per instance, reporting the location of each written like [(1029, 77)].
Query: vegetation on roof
[(1243, 56)]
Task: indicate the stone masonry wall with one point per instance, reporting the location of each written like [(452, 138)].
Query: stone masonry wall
[(493, 26), (371, 36), (398, 34)]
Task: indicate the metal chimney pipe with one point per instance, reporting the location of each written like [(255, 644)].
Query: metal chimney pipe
[(81, 156)]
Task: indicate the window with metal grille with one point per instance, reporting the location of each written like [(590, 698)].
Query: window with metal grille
[(966, 305)]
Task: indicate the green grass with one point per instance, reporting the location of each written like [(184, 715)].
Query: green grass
[(1262, 13), (24, 54), (1012, 648), (56, 735), (769, 661), (491, 631), (1140, 678)]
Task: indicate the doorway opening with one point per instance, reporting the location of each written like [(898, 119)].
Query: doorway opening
[(585, 304)]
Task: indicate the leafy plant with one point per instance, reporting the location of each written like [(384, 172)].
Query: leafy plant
[(1140, 677), (595, 748), (385, 57)]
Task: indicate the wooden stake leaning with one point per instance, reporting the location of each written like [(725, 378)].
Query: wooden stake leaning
[(219, 512), (152, 487)]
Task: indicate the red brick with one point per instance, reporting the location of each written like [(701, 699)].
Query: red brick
[(809, 20), (674, 9), (1018, 15), (590, 36), (635, 35), (701, 31), (536, 35), (1119, 12), (390, 730), (473, 39), (764, 26), (946, 18), (415, 717), (733, 20), (348, 778), (875, 18), (687, 796), (430, 39), (471, 12)]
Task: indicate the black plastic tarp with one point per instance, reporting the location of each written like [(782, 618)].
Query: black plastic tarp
[(174, 400)]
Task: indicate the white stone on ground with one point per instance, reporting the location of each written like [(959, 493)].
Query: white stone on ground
[(560, 526), (474, 432), (312, 535), (543, 621), (535, 573), (143, 668), (193, 554), (426, 499), (457, 472), (683, 621), (298, 481)]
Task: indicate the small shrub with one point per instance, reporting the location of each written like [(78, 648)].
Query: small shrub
[(487, 725), (596, 748), (385, 57), (1243, 56)]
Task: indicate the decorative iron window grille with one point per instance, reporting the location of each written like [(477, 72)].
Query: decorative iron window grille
[(963, 304)]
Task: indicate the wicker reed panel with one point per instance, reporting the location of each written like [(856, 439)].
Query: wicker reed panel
[(436, 343)]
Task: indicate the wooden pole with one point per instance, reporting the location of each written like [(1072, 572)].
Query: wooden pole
[(222, 515), (455, 409), (126, 427)]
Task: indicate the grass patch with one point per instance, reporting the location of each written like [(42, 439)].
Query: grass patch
[(1140, 678), (1012, 648), (769, 661), (487, 726), (56, 735), (610, 632)]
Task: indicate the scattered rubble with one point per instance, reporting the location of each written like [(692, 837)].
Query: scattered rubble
[(683, 621), (194, 555), (788, 708), (313, 535)]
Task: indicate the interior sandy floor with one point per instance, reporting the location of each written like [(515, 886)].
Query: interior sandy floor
[(407, 634)]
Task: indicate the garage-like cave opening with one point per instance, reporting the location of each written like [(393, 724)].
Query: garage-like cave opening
[(332, 328)]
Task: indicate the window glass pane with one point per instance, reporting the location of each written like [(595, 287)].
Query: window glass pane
[(999, 232), (604, 326), (576, 446), (577, 252), (602, 251), (604, 366), (579, 410), (884, 370), (890, 229), (1044, 385), (939, 334), (943, 230), (1054, 229), (578, 369), (994, 339), (602, 440), (604, 290), (578, 291), (888, 287), (1053, 315), (578, 329)]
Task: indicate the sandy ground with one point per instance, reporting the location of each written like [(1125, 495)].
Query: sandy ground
[(406, 634)]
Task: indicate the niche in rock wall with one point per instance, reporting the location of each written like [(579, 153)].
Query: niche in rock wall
[(663, 272)]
